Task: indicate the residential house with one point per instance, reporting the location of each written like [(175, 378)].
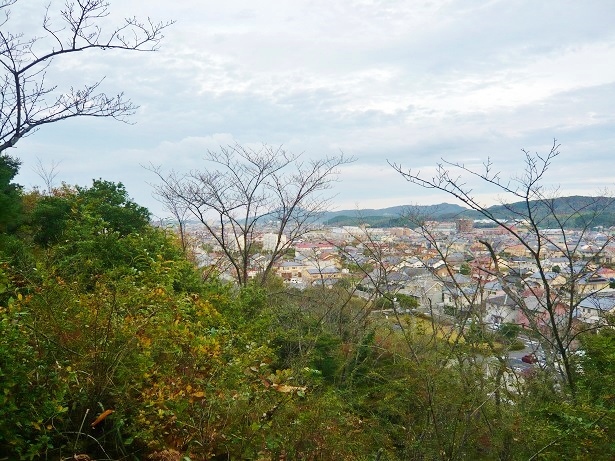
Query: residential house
[(459, 293), (533, 311), (291, 270), (536, 280), (592, 283), (318, 275), (501, 309), (424, 287), (592, 309)]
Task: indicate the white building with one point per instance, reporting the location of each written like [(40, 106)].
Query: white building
[(270, 241)]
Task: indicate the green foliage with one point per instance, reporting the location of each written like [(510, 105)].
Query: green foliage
[(103, 208), (383, 303), (509, 331), (32, 391), (10, 194), (598, 365), (124, 323), (50, 218), (100, 311), (516, 345), (91, 231), (101, 308), (593, 219), (110, 203), (132, 343), (406, 302)]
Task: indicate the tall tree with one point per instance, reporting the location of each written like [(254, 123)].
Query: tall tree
[(28, 101), (246, 187), (10, 198), (105, 204)]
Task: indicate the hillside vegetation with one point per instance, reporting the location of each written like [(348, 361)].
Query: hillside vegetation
[(113, 345)]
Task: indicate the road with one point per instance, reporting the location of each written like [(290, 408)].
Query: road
[(531, 347)]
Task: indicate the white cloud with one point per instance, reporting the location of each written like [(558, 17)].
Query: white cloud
[(410, 82)]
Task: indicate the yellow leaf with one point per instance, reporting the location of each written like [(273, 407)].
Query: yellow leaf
[(198, 395), (286, 388)]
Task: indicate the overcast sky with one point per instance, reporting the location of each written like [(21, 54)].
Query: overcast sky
[(410, 82)]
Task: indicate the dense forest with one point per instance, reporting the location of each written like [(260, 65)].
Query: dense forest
[(114, 345)]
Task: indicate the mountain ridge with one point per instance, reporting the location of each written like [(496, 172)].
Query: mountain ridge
[(578, 210)]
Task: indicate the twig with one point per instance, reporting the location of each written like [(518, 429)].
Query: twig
[(80, 428)]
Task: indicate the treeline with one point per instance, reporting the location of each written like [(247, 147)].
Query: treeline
[(114, 345)]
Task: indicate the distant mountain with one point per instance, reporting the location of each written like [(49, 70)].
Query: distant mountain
[(383, 217), (392, 216), (577, 210)]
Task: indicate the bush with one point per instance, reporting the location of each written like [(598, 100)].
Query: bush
[(383, 303), (33, 391), (509, 331), (516, 345)]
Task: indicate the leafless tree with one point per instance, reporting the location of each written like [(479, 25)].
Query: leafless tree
[(179, 211), (427, 342), (247, 187), (28, 101), (47, 173), (5, 4), (552, 312)]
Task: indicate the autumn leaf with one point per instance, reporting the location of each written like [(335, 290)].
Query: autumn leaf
[(285, 388)]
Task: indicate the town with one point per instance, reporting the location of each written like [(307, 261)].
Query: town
[(447, 269)]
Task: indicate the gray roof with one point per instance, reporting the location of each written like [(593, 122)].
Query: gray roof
[(324, 270), (602, 303), (503, 300)]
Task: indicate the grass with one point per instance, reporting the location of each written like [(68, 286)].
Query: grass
[(426, 327)]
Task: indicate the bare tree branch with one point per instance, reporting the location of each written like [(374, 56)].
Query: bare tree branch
[(27, 102), (248, 188), (47, 173), (553, 313)]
